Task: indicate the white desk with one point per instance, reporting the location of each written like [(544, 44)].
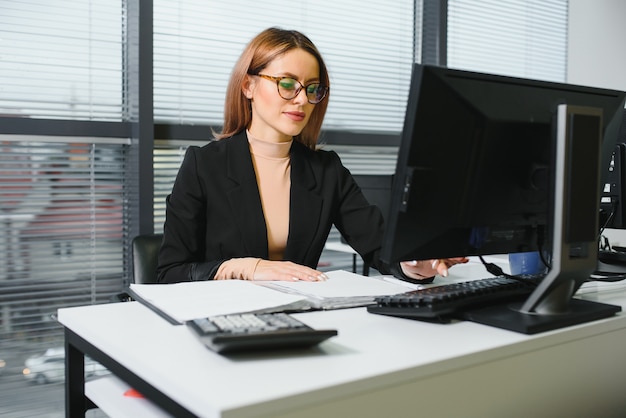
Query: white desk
[(377, 366)]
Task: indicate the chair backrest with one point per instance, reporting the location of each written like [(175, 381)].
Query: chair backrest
[(145, 250), (377, 190)]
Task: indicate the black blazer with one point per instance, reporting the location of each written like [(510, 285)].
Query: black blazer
[(214, 212)]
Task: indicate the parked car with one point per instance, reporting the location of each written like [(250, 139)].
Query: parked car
[(49, 367)]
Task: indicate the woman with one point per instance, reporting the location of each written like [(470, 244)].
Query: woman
[(258, 203)]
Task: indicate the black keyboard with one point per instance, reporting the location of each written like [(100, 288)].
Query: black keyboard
[(252, 332), (446, 302)]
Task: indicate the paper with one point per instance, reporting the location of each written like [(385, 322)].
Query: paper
[(109, 393), (342, 283), (342, 289), (180, 302)]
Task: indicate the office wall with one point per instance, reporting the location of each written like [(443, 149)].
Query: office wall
[(597, 43), (597, 53)]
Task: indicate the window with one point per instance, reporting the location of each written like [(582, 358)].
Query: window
[(193, 61), (62, 228), (67, 205), (368, 50), (63, 198), (51, 72), (168, 156), (520, 38)]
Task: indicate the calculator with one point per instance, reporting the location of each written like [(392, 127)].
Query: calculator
[(248, 332)]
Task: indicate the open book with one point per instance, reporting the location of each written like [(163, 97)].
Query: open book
[(181, 302)]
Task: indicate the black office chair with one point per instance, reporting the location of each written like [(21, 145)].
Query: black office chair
[(145, 251)]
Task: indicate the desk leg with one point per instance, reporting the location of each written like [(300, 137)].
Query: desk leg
[(75, 402)]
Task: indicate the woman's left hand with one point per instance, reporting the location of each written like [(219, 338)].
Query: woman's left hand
[(425, 269)]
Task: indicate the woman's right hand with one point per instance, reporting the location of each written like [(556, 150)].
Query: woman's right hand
[(287, 271), (425, 269)]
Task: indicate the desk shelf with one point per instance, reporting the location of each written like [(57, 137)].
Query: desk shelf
[(108, 392)]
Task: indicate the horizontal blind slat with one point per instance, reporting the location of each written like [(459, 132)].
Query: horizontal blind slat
[(48, 71), (193, 61), (523, 38)]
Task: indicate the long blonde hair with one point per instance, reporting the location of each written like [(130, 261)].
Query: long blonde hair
[(257, 55)]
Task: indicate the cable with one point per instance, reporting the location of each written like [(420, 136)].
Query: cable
[(540, 247), (609, 218), (609, 277), (497, 271)]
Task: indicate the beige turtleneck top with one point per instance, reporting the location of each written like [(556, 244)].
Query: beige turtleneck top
[(272, 166)]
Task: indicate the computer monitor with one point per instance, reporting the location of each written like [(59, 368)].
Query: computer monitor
[(612, 204), (611, 200), (494, 165)]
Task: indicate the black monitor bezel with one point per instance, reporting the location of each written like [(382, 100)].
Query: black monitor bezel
[(424, 77)]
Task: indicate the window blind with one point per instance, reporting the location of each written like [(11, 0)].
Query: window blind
[(62, 199), (61, 60), (520, 38), (169, 154), (65, 60), (368, 50), (62, 206)]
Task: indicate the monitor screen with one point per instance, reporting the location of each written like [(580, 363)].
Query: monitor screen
[(475, 160), (494, 165)]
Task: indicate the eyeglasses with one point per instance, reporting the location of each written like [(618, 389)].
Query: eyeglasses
[(288, 88)]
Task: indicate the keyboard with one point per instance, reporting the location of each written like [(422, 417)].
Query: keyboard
[(446, 302), (253, 332)]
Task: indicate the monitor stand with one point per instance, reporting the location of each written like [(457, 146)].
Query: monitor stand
[(575, 207), (510, 316)]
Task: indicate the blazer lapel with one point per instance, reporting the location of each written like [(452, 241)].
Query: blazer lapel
[(244, 197), (305, 207)]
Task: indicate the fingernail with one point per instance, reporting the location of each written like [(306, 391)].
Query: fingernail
[(295, 279), (322, 277), (445, 273), (435, 264), (414, 262)]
